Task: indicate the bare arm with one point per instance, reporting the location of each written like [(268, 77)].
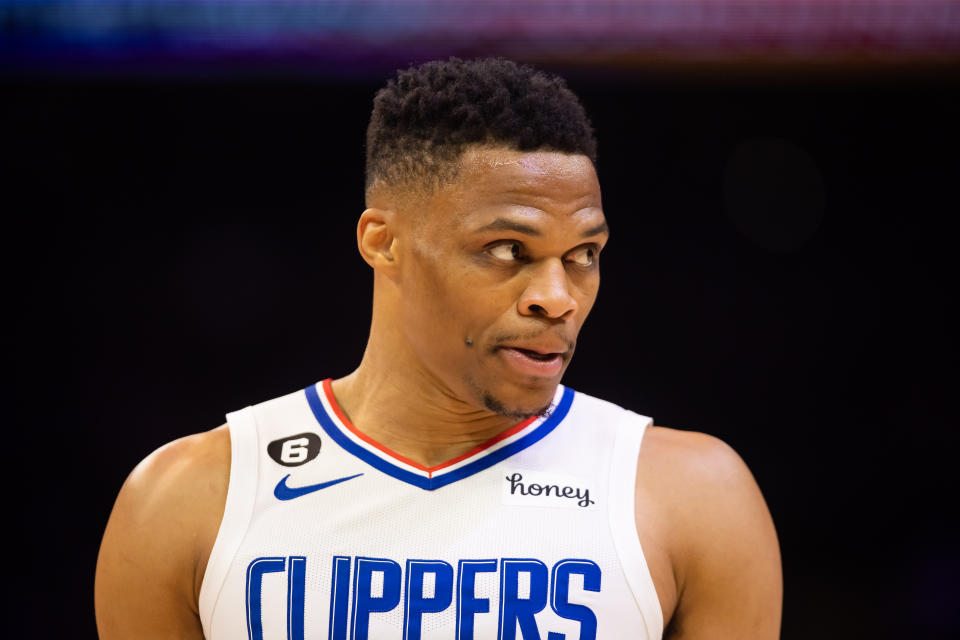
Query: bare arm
[(721, 541), (158, 539)]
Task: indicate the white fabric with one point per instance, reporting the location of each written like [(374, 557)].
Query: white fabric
[(588, 461)]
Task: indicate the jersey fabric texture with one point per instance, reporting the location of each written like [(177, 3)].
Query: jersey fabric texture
[(328, 535)]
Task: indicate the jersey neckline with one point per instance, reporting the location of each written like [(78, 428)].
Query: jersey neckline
[(338, 427)]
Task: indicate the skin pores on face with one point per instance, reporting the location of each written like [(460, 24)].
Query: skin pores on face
[(499, 272)]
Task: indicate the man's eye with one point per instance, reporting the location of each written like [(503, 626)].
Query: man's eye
[(583, 257), (508, 251)]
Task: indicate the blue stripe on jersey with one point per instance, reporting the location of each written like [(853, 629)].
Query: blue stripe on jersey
[(443, 479)]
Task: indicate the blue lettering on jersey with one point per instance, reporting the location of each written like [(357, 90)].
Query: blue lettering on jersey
[(560, 596), (255, 571), (514, 609), (467, 605), (364, 602), (339, 598), (296, 587), (525, 587), (415, 603)]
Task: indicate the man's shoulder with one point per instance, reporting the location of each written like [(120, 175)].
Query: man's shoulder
[(691, 453), (182, 466), (709, 515), (700, 473), (163, 525), (687, 465), (701, 490), (172, 502)]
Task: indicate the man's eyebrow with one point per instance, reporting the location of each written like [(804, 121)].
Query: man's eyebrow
[(502, 224), (597, 230)]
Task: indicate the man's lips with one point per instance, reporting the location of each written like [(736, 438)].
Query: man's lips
[(533, 362), (542, 347)]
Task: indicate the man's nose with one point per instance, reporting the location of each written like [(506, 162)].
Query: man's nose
[(548, 292)]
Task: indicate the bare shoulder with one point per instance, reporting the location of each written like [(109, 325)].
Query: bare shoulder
[(159, 536), (696, 479), (696, 460), (193, 465), (717, 533), (180, 488)]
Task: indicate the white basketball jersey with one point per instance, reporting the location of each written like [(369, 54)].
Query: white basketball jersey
[(328, 535)]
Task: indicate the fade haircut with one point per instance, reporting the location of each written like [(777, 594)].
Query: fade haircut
[(425, 118)]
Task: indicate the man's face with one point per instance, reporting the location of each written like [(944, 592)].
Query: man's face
[(500, 270)]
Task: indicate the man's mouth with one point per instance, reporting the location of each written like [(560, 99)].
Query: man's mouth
[(529, 362), (536, 355)]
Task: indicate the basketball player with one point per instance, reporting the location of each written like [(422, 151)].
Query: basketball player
[(451, 487)]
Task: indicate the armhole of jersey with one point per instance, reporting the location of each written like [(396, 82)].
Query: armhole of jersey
[(623, 483), (241, 496)]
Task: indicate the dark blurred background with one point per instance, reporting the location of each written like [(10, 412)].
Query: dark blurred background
[(181, 183)]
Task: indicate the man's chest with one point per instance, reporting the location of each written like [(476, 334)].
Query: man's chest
[(395, 563)]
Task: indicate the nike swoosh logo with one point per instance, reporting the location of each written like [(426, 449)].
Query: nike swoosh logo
[(283, 492)]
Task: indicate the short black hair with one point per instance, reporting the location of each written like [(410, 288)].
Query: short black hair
[(424, 119)]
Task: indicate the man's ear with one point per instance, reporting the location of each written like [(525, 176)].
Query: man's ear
[(376, 238)]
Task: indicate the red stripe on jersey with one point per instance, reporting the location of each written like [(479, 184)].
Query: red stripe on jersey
[(328, 390)]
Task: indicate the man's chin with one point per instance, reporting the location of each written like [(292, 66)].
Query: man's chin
[(514, 411), (509, 399), (518, 402)]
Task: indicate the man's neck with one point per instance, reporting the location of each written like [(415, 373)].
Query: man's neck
[(415, 416)]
